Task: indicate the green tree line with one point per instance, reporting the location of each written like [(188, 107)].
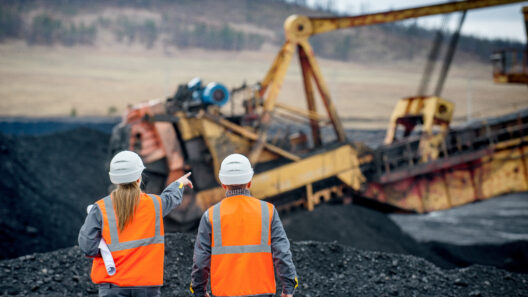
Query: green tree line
[(10, 23), (47, 30), (44, 29), (211, 37), (394, 41)]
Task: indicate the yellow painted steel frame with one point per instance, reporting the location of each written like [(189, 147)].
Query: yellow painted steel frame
[(432, 111), (516, 78), (341, 162), (299, 28), (499, 171), (519, 76), (322, 25), (274, 79), (223, 138)]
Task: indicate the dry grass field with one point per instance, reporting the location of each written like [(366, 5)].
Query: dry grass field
[(54, 81)]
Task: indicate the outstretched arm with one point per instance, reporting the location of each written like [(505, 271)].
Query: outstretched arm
[(172, 196)]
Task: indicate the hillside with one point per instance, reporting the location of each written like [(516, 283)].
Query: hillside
[(83, 58), (232, 25)]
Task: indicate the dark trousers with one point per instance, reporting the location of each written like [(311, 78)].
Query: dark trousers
[(109, 290)]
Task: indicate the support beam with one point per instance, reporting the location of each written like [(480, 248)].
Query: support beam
[(323, 90), (308, 89), (279, 70), (251, 136)]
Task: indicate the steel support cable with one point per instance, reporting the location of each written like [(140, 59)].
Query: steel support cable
[(433, 56), (449, 56)]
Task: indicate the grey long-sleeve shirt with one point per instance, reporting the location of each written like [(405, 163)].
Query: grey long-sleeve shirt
[(90, 233), (280, 249)]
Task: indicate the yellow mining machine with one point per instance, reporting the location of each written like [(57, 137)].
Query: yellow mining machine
[(511, 65), (303, 165)]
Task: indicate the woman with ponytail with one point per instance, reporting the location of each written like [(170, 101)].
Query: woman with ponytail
[(130, 224)]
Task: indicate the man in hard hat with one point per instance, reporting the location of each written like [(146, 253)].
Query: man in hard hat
[(238, 241)]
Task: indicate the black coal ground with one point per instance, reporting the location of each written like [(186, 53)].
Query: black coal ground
[(324, 269), (368, 229), (46, 183), (358, 227)]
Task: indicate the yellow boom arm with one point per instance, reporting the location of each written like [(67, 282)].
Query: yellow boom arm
[(299, 28), (322, 25)]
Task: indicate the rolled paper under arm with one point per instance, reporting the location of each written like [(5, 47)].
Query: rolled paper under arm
[(105, 252)]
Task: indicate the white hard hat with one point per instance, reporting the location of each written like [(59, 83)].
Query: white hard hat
[(235, 170), (125, 167)]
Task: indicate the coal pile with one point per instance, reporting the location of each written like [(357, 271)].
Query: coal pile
[(358, 227), (47, 182), (512, 256), (50, 125), (324, 269), (489, 232)]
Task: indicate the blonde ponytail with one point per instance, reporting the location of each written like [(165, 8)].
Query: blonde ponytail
[(125, 199)]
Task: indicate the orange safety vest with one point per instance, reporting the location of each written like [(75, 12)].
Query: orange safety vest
[(138, 250), (241, 260)]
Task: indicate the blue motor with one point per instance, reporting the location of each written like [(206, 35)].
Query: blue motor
[(192, 97), (214, 93)]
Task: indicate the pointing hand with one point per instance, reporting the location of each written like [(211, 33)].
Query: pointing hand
[(185, 181)]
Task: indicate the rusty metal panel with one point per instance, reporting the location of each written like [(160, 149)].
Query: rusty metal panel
[(434, 192), (460, 185), (501, 173), (491, 174), (171, 145), (404, 194)]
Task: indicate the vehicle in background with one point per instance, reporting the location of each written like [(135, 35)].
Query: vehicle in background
[(302, 157)]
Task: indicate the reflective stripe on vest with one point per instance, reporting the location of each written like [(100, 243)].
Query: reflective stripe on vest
[(138, 250), (263, 247), (116, 245), (241, 257)]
